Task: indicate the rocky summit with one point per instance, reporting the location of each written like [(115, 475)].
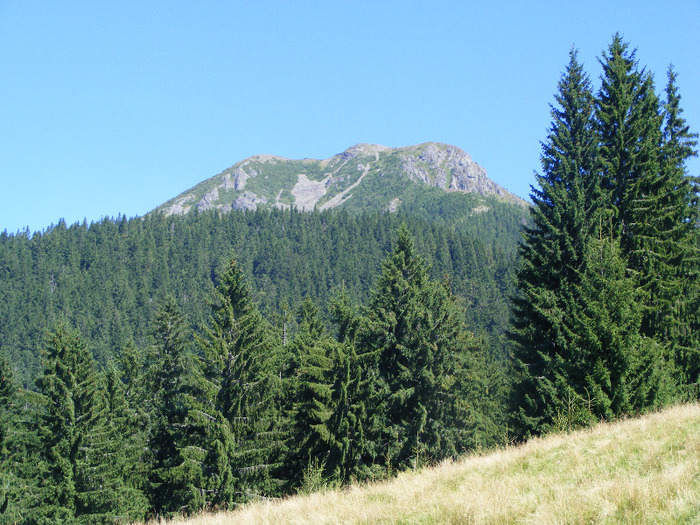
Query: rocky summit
[(365, 176)]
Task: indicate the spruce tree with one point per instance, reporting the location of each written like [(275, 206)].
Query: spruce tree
[(628, 123), (606, 329), (415, 329), (629, 128), (678, 315), (355, 420), (18, 470), (601, 334), (552, 258), (308, 387), (7, 421), (179, 425), (654, 205), (243, 366), (80, 484), (126, 445)]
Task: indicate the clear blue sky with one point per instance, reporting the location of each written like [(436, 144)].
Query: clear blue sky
[(114, 107)]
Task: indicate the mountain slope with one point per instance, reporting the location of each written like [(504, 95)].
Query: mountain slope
[(365, 176), (636, 471)]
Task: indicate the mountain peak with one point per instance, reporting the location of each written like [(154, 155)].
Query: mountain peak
[(363, 149), (364, 176)]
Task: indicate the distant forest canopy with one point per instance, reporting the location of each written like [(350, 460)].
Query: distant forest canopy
[(108, 278)]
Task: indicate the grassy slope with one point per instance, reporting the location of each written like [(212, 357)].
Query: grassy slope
[(643, 470)]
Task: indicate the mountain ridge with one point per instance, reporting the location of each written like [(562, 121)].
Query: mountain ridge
[(361, 177)]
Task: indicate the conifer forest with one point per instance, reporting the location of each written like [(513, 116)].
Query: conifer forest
[(165, 365)]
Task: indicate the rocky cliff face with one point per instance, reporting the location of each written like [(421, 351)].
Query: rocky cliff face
[(363, 176)]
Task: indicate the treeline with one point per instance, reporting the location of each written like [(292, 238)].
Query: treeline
[(607, 320), (108, 278), (216, 415)]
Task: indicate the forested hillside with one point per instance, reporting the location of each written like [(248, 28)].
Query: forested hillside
[(213, 415), (107, 279)]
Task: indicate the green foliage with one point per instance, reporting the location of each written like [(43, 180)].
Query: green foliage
[(243, 365), (79, 454), (677, 317), (603, 320), (108, 278), (238, 415), (552, 258), (413, 332), (309, 390), (178, 427)]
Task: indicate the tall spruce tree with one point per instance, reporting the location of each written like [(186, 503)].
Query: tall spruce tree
[(7, 421), (243, 365), (126, 446), (548, 364), (179, 420), (22, 469), (677, 317), (80, 483), (18, 476), (605, 330), (308, 386), (629, 129), (354, 421), (415, 328), (652, 201)]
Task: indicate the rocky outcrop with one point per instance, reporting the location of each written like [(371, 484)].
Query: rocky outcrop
[(308, 192), (449, 168), (247, 201), (236, 179), (209, 200)]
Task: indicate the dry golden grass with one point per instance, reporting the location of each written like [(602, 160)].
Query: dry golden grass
[(644, 470)]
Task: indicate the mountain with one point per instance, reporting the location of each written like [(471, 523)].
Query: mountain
[(363, 177)]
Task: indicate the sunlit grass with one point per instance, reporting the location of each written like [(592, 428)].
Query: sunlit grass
[(644, 470)]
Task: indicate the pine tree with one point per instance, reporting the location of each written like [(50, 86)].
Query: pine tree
[(552, 257)]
